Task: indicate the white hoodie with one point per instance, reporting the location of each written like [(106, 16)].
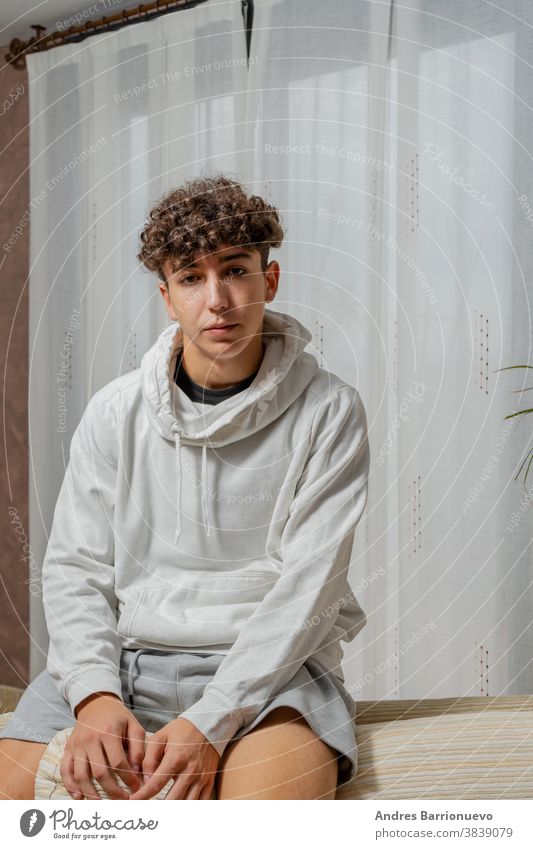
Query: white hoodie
[(222, 528)]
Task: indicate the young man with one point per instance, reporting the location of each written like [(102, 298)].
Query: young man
[(195, 581)]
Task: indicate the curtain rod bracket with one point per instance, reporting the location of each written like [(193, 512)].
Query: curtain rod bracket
[(18, 48)]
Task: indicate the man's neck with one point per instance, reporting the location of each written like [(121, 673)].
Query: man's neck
[(221, 374)]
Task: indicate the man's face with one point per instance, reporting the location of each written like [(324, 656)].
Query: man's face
[(224, 287)]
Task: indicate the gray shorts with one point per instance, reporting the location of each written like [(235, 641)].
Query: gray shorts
[(158, 686)]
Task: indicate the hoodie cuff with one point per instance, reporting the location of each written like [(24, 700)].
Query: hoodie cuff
[(94, 680), (214, 719)]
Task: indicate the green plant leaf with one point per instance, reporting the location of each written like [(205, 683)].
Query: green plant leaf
[(506, 368), (523, 461), (528, 465), (519, 413), (530, 452)]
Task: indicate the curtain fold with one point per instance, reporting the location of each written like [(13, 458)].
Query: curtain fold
[(318, 105), (395, 140)]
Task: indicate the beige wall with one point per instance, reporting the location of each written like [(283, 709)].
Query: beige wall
[(15, 553)]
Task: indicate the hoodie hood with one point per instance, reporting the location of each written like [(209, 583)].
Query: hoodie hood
[(285, 372)]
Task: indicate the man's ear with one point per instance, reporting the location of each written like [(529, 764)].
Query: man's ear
[(168, 303), (271, 279)]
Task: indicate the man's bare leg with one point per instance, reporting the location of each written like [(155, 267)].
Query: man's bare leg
[(19, 760), (282, 758)]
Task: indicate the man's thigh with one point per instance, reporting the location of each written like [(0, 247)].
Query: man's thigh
[(19, 760), (281, 758)]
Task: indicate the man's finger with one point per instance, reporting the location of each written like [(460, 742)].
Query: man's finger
[(155, 751), (118, 762), (134, 744), (101, 774), (83, 775), (66, 769), (206, 792), (164, 772), (183, 788)]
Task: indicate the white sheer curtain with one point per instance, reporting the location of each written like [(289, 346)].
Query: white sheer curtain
[(417, 288), (462, 108), (115, 121), (396, 143)]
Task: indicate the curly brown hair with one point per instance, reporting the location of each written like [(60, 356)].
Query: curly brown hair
[(202, 214)]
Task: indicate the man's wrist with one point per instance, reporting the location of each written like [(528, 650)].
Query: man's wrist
[(93, 697)]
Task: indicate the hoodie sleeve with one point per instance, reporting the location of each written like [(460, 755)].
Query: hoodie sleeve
[(78, 568), (289, 624)]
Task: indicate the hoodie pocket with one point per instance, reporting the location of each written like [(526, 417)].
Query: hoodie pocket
[(198, 610)]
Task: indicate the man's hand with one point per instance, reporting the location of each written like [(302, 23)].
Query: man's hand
[(180, 751), (106, 739)]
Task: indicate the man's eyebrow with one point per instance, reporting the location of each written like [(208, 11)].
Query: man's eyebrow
[(177, 266), (239, 255)]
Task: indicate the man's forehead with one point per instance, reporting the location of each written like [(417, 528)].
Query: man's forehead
[(219, 255)]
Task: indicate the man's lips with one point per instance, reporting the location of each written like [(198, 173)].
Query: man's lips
[(221, 328)]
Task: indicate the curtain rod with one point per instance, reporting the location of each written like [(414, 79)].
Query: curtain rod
[(145, 11)]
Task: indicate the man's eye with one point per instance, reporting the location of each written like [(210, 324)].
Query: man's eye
[(236, 271)]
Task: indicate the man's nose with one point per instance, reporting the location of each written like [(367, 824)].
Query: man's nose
[(216, 290)]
